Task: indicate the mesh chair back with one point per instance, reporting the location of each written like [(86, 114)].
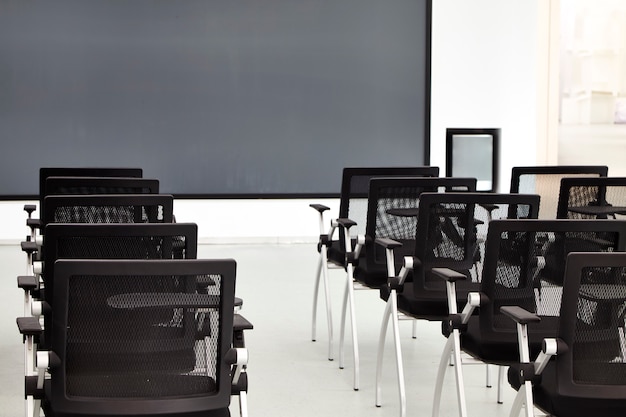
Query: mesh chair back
[(524, 266), (113, 359), (117, 241), (355, 184), (112, 241), (546, 180), (392, 212), (123, 208), (452, 231), (592, 325), (46, 172), (591, 198), (97, 185)]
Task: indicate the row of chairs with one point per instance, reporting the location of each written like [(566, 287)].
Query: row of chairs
[(465, 252), (120, 317)]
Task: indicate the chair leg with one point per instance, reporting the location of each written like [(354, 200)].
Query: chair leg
[(316, 289), (458, 370), (399, 367), (355, 340), (488, 378), (391, 313), (243, 404), (452, 347), (30, 407), (329, 314), (414, 330), (518, 403), (500, 383), (322, 272), (342, 329), (381, 350), (523, 398), (443, 366), (528, 398), (348, 299)]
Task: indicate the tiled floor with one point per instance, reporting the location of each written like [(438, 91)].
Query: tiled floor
[(290, 375)]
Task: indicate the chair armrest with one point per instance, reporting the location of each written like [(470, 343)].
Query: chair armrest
[(33, 223), (320, 208), (346, 223), (29, 247), (520, 315), (352, 254), (324, 237), (396, 281), (474, 299), (29, 326), (241, 323), (30, 208), (388, 243), (448, 274), (27, 282)]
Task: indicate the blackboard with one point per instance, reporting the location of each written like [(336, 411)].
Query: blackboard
[(213, 97)]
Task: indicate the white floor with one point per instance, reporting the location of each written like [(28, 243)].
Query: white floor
[(289, 374)]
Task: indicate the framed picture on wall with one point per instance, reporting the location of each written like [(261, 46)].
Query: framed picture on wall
[(474, 153)]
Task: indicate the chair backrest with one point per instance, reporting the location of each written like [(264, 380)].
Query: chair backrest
[(97, 185), (355, 183), (110, 357), (452, 232), (386, 196), (525, 266), (115, 241), (46, 172), (592, 326), (121, 208), (546, 180), (591, 198)]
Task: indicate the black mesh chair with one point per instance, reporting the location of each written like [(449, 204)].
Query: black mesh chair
[(581, 372), (92, 241), (123, 241), (98, 364), (545, 181), (46, 172), (352, 205), (592, 198), (81, 185), (113, 241), (127, 208), (451, 232), (389, 200), (516, 258)]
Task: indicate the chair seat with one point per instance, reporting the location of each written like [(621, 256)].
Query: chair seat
[(372, 277), (497, 348), (548, 399)]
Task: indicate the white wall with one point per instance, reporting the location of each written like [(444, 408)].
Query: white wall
[(490, 68), (219, 221)]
